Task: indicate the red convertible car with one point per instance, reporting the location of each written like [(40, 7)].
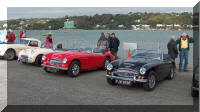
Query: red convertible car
[(76, 60)]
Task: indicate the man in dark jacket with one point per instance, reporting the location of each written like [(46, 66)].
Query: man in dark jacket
[(114, 44), (172, 49), (184, 47)]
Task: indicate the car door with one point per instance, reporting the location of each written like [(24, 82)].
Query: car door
[(18, 47), (98, 60), (159, 69), (87, 61), (167, 66)]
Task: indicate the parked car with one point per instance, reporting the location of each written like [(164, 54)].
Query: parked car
[(11, 51), (195, 82), (34, 56), (76, 60), (145, 67)]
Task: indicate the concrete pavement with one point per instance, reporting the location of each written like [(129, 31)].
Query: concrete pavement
[(3, 84), (30, 85)]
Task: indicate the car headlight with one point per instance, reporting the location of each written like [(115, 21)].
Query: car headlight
[(142, 70), (109, 67), (65, 60), (43, 58)]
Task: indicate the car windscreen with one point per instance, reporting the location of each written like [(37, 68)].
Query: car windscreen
[(147, 54), (83, 48)]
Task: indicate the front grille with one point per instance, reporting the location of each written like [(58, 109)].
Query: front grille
[(24, 56), (55, 62), (125, 73)]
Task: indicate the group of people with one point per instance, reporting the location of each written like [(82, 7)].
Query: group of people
[(109, 42), (183, 50), (10, 37)]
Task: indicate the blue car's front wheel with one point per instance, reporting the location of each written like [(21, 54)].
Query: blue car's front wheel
[(152, 81)]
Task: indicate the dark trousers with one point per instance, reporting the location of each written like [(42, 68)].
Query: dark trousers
[(174, 63), (114, 53)]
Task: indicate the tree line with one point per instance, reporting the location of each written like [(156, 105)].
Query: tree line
[(104, 21)]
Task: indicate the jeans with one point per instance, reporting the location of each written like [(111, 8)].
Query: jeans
[(183, 57)]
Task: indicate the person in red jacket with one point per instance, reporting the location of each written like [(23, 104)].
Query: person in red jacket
[(10, 37), (21, 34)]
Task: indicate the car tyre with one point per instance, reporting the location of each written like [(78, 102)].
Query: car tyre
[(10, 54), (74, 68), (171, 74), (106, 62), (151, 81), (38, 60), (111, 81)]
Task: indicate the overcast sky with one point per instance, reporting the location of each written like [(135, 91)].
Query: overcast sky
[(53, 12)]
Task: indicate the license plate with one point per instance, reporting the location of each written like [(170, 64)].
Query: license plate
[(123, 82), (52, 69), (24, 60)]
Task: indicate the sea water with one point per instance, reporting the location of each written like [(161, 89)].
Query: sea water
[(147, 39)]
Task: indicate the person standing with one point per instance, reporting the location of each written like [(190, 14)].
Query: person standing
[(184, 47), (20, 36), (10, 37), (24, 34), (49, 41), (114, 45), (108, 38), (172, 49), (103, 42)]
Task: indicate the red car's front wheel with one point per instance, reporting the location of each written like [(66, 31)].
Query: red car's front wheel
[(74, 69)]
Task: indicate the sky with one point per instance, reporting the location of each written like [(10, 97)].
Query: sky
[(53, 12)]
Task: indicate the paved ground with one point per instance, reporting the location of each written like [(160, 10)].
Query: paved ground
[(30, 85), (3, 84)]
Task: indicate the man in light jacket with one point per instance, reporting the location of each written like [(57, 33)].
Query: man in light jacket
[(103, 42)]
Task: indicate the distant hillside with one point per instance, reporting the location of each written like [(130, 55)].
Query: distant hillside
[(108, 21)]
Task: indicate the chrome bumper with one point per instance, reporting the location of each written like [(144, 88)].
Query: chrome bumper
[(25, 59), (54, 67), (127, 78)]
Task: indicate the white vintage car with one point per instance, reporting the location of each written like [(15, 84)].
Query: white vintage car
[(33, 56), (11, 51)]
